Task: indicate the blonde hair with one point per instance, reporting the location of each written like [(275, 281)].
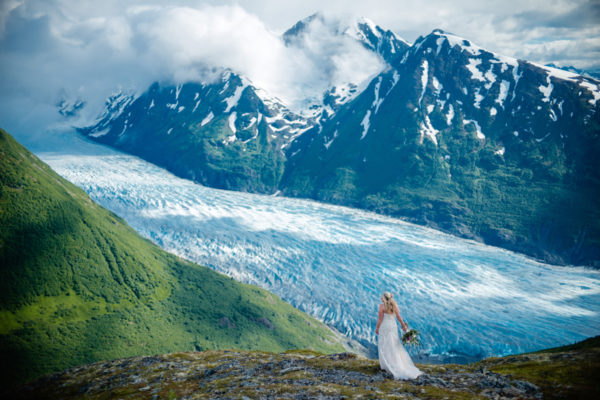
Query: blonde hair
[(388, 302)]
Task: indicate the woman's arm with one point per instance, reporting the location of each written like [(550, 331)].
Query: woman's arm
[(397, 311), (379, 318)]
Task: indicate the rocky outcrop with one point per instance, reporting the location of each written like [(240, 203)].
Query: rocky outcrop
[(560, 373), (291, 375)]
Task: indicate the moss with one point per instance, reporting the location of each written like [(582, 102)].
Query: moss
[(561, 375), (352, 363), (303, 352), (434, 393)]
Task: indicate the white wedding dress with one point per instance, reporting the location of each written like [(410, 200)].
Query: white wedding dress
[(392, 356)]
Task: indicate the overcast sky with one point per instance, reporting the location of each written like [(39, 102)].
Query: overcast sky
[(55, 49)]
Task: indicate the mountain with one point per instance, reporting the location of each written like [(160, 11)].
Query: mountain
[(226, 134), (307, 34), (448, 134), (78, 285), (383, 42), (568, 372), (469, 142)]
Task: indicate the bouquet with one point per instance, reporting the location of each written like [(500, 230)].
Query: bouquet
[(411, 338)]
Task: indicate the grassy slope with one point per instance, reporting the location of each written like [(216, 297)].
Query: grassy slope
[(77, 285), (568, 372)]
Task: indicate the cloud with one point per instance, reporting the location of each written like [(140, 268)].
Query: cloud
[(511, 27), (56, 49), (67, 51)]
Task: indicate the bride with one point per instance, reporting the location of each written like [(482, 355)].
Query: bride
[(392, 356)]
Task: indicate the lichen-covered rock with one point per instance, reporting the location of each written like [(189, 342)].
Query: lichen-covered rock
[(290, 375), (561, 373)]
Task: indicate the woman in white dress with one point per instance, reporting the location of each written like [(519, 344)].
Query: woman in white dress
[(392, 356)]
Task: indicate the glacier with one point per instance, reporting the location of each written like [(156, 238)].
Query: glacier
[(468, 300)]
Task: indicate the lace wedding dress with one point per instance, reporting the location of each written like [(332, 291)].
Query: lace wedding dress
[(392, 356)]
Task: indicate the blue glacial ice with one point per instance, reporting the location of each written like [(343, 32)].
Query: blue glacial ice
[(468, 300)]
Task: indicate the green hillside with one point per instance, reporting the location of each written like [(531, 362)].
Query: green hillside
[(78, 285)]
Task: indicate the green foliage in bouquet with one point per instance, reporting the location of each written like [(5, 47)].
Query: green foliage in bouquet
[(411, 338)]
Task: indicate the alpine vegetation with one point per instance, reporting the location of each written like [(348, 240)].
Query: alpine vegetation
[(78, 285)]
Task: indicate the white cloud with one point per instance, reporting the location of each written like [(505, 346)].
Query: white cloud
[(72, 51)]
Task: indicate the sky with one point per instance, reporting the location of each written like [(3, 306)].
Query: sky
[(53, 50)]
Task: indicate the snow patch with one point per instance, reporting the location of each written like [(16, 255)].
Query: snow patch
[(99, 133), (366, 122), (559, 73), (335, 135), (546, 90), (542, 139), (196, 106), (480, 134), (490, 77), (450, 115), (207, 119), (500, 152), (594, 89), (377, 101), (478, 98), (516, 77), (231, 121), (424, 79), (235, 97), (463, 44), (493, 111), (504, 86), (439, 42), (251, 123), (475, 72), (426, 129)]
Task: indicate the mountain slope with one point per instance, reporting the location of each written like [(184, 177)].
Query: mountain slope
[(78, 285), (225, 134), (470, 142)]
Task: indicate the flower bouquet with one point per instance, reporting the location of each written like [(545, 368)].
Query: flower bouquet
[(411, 338)]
